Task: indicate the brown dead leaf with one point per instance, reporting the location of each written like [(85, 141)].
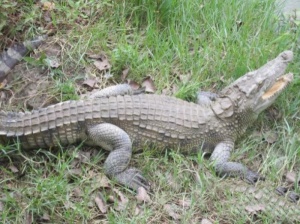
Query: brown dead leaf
[(142, 195), (124, 74), (101, 204), (205, 221), (149, 85), (45, 217), (170, 209), (13, 169), (3, 83), (137, 211), (1, 206), (111, 199), (53, 62), (255, 209), (77, 192), (134, 85), (102, 64), (122, 202), (68, 204), (83, 156), (100, 181), (90, 83), (75, 172), (172, 182), (270, 137), (185, 78), (48, 6), (28, 218), (259, 195), (185, 203), (290, 177), (274, 114), (100, 56)]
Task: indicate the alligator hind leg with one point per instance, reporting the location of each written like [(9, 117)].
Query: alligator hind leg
[(116, 140), (292, 196)]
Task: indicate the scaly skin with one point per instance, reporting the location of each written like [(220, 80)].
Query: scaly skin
[(10, 57), (118, 123), (261, 199)]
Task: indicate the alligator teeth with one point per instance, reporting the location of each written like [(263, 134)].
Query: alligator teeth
[(279, 85)]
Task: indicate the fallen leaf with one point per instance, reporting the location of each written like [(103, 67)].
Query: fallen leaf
[(45, 217), (102, 65), (134, 85), (75, 172), (28, 218), (137, 211), (1, 206), (149, 85), (170, 210), (185, 203), (205, 221), (259, 195), (270, 137), (100, 181), (101, 204), (255, 209), (53, 62), (48, 6), (273, 114), (3, 83), (185, 78), (77, 192), (111, 199), (13, 169), (101, 56), (68, 204), (89, 82), (108, 75), (290, 177), (172, 182), (124, 74), (83, 156), (142, 195), (122, 202)]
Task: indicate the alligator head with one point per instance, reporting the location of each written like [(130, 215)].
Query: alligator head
[(257, 90)]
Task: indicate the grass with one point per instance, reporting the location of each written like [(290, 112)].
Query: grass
[(184, 46)]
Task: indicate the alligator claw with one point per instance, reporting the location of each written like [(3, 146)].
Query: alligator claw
[(281, 190), (252, 177), (133, 179), (294, 197)]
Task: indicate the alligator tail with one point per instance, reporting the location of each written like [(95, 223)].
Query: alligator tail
[(10, 57)]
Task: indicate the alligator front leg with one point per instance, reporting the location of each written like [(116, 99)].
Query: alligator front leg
[(116, 140), (220, 157)]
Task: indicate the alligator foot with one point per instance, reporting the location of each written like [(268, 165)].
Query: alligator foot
[(292, 196), (132, 178), (252, 177)]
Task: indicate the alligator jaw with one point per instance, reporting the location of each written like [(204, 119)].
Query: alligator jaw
[(280, 84)]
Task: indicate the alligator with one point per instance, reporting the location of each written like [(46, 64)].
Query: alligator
[(119, 121), (10, 57)]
